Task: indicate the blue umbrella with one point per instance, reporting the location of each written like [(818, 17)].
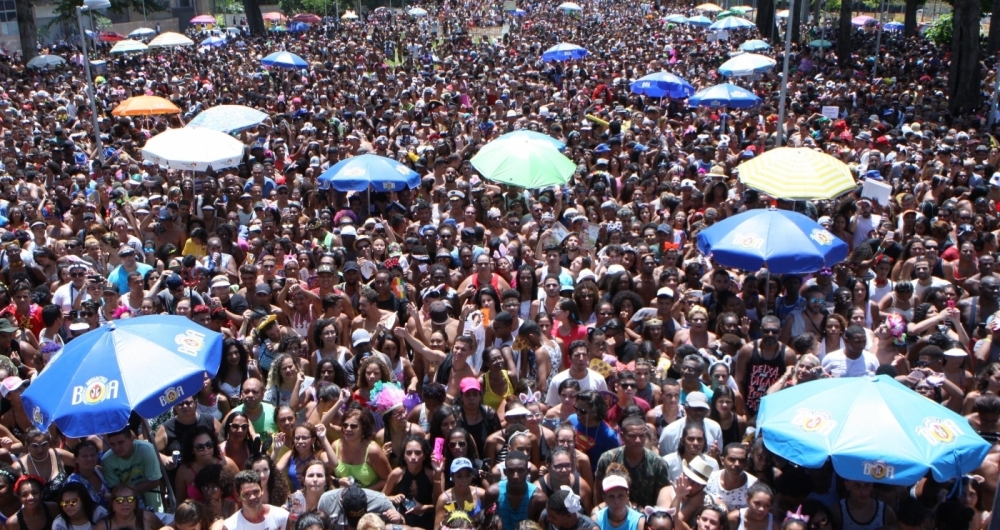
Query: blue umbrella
[(873, 428), (228, 118), (746, 64), (298, 26), (699, 20), (731, 23), (661, 84), (724, 95), (525, 133), (519, 12), (564, 52), (213, 41), (284, 60), (755, 45), (358, 172), (141, 364), (783, 241), (894, 26), (676, 19)]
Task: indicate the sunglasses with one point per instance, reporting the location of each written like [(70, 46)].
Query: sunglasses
[(238, 427), (627, 386), (39, 445), (581, 411), (202, 447), (454, 445), (122, 500), (71, 502)]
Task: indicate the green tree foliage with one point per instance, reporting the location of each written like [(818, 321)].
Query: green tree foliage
[(942, 30), (66, 11)]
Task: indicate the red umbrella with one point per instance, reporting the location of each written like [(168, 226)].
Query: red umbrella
[(111, 36), (308, 18)]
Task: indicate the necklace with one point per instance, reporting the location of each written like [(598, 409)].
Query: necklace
[(33, 461)]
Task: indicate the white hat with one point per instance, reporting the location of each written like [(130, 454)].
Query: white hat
[(698, 469), (665, 292), (361, 336), (697, 400)]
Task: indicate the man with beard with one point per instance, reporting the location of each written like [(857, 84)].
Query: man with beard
[(922, 270), (352, 283), (369, 315), (808, 319), (853, 360), (761, 363)]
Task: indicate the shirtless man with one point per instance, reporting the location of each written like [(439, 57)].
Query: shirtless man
[(369, 315), (465, 345)]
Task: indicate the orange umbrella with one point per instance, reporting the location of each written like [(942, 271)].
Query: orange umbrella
[(274, 15), (144, 106)]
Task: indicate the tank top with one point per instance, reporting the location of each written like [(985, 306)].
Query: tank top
[(177, 430), (210, 410), (631, 521), (510, 516), (492, 399), (732, 433), (301, 323), (878, 521), (419, 488), (48, 519), (549, 490), (761, 374), (363, 473), (770, 521)]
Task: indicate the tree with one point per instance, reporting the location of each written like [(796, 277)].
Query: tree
[(993, 41), (964, 95), (910, 17), (66, 11), (255, 19), (844, 35), (765, 20), (26, 28)]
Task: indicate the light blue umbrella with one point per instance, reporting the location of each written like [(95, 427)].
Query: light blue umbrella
[(284, 60), (730, 23), (359, 172), (417, 12), (213, 41), (724, 95), (526, 133), (874, 429), (662, 84), (146, 364), (699, 20), (755, 45), (894, 26), (564, 51), (228, 118), (676, 19), (746, 64)]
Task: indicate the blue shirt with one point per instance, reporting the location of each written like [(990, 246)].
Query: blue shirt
[(599, 439), (119, 276), (268, 187)]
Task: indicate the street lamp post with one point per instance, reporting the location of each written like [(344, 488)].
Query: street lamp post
[(91, 5), (784, 71)]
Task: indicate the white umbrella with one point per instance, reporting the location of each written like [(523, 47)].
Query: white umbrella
[(193, 149), (782, 13), (142, 33), (746, 64), (570, 6), (129, 46), (349, 16), (418, 12), (169, 40), (45, 61)]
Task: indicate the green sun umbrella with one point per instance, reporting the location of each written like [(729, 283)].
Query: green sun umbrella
[(724, 14), (820, 43), (741, 9), (523, 162)]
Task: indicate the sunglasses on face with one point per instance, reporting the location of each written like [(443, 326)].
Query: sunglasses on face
[(122, 500), (71, 502), (204, 446)]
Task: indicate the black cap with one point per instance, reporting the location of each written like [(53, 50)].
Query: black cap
[(354, 503)]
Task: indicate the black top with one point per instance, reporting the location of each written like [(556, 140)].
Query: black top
[(48, 519), (420, 489)]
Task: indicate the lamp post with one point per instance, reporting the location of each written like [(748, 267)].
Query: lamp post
[(91, 5), (784, 71)]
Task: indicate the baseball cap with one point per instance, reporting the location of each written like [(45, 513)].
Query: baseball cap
[(351, 266), (11, 384), (459, 464), (354, 502), (665, 292), (360, 336), (611, 482), (221, 281), (174, 281), (470, 383), (697, 400), (263, 288)]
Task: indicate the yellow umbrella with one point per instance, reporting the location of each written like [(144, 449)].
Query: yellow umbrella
[(708, 7), (796, 174), (144, 106)]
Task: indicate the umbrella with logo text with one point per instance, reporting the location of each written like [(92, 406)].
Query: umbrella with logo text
[(143, 364), (359, 172)]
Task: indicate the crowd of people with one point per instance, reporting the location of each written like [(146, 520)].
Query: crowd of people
[(473, 355)]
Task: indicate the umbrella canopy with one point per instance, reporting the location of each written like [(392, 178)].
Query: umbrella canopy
[(570, 6), (778, 172), (741, 9), (213, 41), (676, 19), (298, 26), (724, 95), (274, 16), (45, 61), (98, 379), (111, 36), (662, 84), (349, 16), (307, 18), (708, 8), (746, 64), (564, 52), (863, 20), (723, 14), (518, 12), (894, 26), (781, 13), (700, 20), (755, 45), (417, 12), (228, 118), (527, 133), (129, 46), (170, 39), (820, 43), (284, 60), (203, 19), (524, 162), (873, 428), (193, 148), (782, 241), (142, 33), (732, 23), (359, 172), (145, 106)]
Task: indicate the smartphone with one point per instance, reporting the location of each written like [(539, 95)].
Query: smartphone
[(409, 504), (951, 304)]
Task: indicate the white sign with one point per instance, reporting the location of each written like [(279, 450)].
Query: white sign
[(877, 191), (832, 112)]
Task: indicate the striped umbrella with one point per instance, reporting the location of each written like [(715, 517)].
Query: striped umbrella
[(779, 173)]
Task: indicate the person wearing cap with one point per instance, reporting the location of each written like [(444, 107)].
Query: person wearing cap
[(696, 409), (564, 510), (253, 513), (234, 304), (618, 513), (463, 496), (129, 263), (647, 469), (478, 419), (517, 498), (662, 311)]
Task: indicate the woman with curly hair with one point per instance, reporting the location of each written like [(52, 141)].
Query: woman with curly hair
[(192, 515), (199, 449), (273, 485), (359, 458), (216, 485), (626, 303), (309, 442), (371, 370), (286, 384)]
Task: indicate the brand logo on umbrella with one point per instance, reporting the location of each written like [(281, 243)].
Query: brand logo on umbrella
[(821, 236), (389, 186), (814, 421), (37, 417), (879, 470), (403, 170), (190, 342), (353, 172), (98, 389), (170, 395), (938, 431), (747, 240)]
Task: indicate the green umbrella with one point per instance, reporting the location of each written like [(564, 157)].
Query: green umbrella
[(523, 162), (741, 9), (821, 43), (723, 14)]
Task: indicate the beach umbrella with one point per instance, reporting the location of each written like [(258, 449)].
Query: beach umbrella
[(145, 364), (894, 26), (228, 118), (295, 27), (203, 19), (700, 20), (781, 13), (111, 36), (662, 84), (145, 106), (708, 8), (273, 16), (213, 41), (357, 173), (128, 46), (193, 148), (141, 33), (746, 64), (417, 12), (724, 95), (537, 136), (564, 52), (525, 162), (170, 39), (676, 19), (723, 14), (569, 6), (863, 20), (782, 241), (741, 9), (755, 45), (519, 12), (731, 23), (778, 173), (874, 429), (286, 60), (307, 18), (45, 61), (349, 16), (820, 43)]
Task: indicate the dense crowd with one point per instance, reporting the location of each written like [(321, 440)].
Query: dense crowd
[(472, 355)]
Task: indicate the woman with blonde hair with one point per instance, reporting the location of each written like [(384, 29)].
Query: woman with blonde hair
[(808, 368), (698, 334)]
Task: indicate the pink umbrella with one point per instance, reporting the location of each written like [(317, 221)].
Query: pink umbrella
[(273, 15), (863, 20), (203, 19), (308, 18)]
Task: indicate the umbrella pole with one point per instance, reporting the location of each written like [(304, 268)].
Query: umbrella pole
[(767, 293), (168, 493)]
